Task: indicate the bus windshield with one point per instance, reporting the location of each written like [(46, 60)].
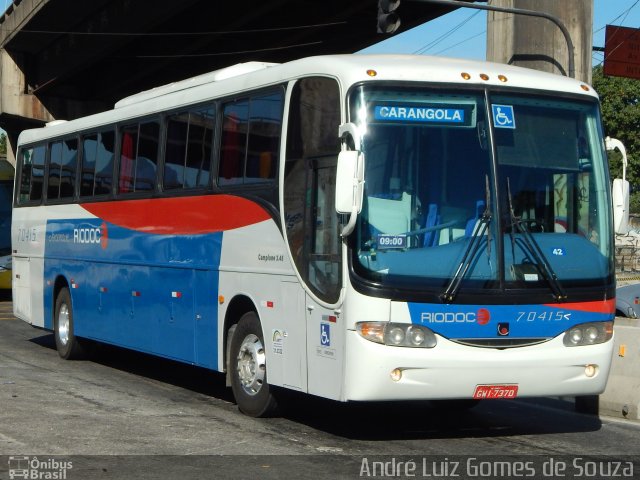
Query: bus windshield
[(474, 190)]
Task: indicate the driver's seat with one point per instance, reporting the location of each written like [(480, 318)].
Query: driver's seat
[(432, 238)]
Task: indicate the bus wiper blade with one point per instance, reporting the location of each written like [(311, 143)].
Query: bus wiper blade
[(470, 252), (535, 251)]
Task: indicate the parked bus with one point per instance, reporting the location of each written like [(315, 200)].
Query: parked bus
[(6, 190), (355, 227)]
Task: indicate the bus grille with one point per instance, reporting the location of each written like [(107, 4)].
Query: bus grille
[(500, 342)]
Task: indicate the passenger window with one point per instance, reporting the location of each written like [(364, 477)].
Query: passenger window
[(138, 157), (199, 147), (104, 163), (53, 182), (31, 174), (188, 149), (128, 149), (147, 160), (175, 151), (68, 166), (264, 137), (251, 134), (234, 143), (89, 149), (97, 164)]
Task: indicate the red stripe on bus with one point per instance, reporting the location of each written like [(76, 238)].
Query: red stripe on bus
[(599, 306), (180, 215)]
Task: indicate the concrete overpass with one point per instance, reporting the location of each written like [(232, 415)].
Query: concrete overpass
[(61, 59)]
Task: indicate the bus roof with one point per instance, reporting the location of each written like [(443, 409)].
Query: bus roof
[(348, 69)]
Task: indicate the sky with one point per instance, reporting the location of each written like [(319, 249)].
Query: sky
[(463, 33)]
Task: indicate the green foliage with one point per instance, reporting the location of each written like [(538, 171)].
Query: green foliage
[(3, 143), (620, 100)]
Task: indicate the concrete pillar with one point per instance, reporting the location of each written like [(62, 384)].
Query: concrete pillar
[(537, 42), (18, 110)]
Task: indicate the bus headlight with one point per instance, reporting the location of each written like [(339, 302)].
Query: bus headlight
[(588, 334), (397, 334)]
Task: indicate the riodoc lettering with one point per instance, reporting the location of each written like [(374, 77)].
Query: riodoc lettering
[(419, 114), (448, 317), (86, 235)]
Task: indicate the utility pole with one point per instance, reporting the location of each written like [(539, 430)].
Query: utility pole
[(537, 43)]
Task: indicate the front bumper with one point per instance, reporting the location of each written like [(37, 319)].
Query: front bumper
[(451, 370)]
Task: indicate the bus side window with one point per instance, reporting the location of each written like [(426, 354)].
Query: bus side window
[(175, 151), (104, 163), (68, 166), (139, 157), (31, 174), (188, 149), (97, 164), (53, 180), (87, 175), (147, 160), (128, 152), (199, 148), (63, 158), (251, 132), (265, 122), (234, 140)]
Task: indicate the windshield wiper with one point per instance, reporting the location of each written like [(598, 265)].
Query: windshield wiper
[(472, 249), (534, 250)]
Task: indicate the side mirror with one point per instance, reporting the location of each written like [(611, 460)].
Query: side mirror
[(620, 190), (620, 196), (349, 186)]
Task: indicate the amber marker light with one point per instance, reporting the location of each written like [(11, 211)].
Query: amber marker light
[(396, 374), (465, 76), (372, 331), (372, 73), (584, 87), (220, 299), (608, 329), (502, 78), (484, 76)]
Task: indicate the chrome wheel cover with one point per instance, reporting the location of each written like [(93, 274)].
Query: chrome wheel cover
[(251, 365), (64, 323)]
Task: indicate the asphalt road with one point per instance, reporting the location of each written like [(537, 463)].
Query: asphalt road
[(122, 412)]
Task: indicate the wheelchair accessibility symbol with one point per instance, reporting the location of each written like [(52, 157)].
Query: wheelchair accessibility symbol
[(503, 116), (325, 335)]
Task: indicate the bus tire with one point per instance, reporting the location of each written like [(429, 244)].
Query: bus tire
[(68, 345), (248, 369)]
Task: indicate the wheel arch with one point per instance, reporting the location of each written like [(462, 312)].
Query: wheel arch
[(238, 306)]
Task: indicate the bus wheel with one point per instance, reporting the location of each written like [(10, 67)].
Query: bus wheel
[(249, 369), (68, 345)]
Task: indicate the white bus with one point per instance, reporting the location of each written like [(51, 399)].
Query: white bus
[(356, 227)]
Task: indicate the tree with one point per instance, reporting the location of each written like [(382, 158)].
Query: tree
[(3, 143), (620, 100)]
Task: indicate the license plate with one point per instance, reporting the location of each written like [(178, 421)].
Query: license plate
[(495, 391)]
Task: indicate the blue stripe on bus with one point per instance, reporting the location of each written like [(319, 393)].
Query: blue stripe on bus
[(149, 292)]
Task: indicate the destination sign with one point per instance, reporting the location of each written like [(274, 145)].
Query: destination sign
[(440, 114)]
